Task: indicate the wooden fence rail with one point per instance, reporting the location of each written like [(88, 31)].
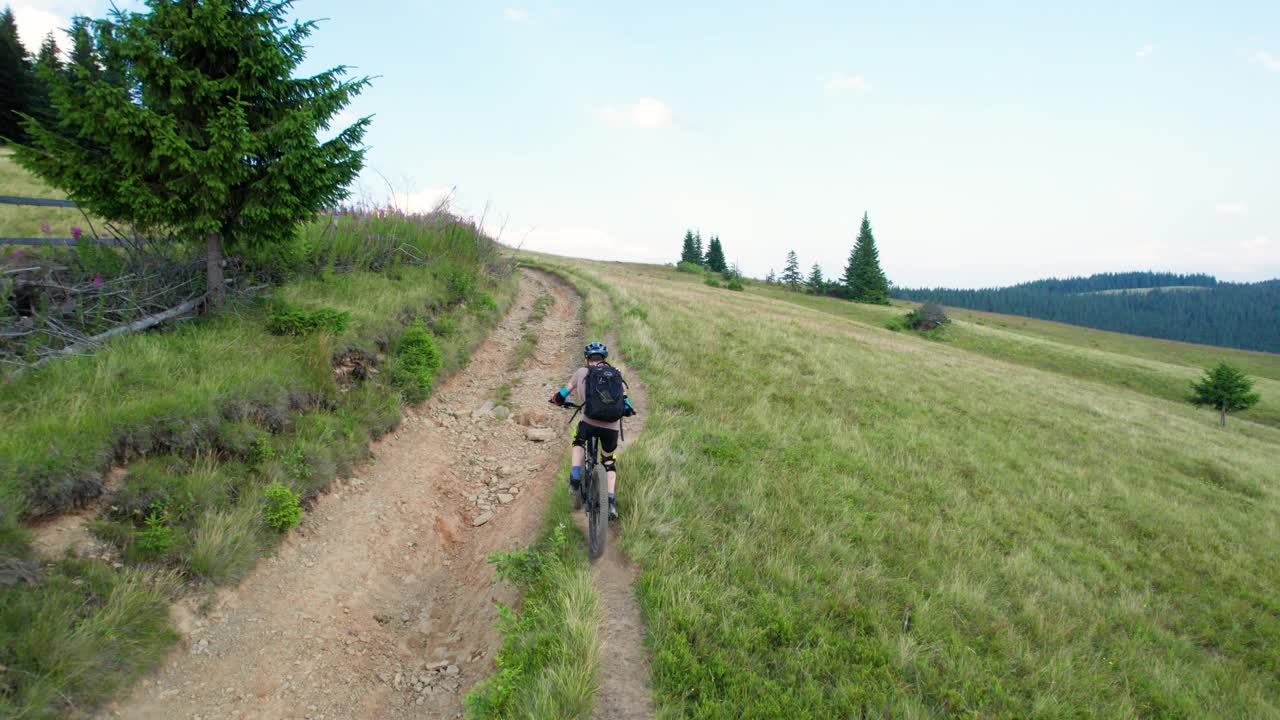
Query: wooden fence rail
[(57, 241), (39, 202)]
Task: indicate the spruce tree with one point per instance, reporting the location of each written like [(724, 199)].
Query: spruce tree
[(83, 54), (815, 281), (715, 256), (863, 276), (697, 248), (1225, 389), (771, 278), (791, 276), (206, 132), (48, 68), (16, 80), (687, 253)]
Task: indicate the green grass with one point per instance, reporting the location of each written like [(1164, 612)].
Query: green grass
[(835, 520), (88, 631)]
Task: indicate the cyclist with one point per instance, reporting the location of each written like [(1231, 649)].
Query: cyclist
[(606, 430)]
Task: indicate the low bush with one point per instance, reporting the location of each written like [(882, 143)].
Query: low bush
[(295, 322), (156, 537), (734, 284), (929, 319), (711, 281), (688, 267), (417, 359), (283, 507)]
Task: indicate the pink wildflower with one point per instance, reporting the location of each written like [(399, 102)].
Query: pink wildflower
[(44, 228), (97, 281), (76, 232)]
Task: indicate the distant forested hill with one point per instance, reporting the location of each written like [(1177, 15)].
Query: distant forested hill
[(1193, 308)]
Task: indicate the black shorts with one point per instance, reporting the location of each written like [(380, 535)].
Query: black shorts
[(608, 438)]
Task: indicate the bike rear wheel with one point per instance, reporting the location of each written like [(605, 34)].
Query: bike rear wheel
[(598, 513)]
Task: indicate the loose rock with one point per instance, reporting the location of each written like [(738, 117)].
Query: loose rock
[(539, 434)]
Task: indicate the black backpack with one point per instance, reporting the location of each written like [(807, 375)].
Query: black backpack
[(604, 392)]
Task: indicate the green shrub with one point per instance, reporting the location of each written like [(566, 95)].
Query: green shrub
[(929, 319), (711, 281), (416, 362), (461, 284), (283, 507), (688, 267), (734, 284), (291, 321)]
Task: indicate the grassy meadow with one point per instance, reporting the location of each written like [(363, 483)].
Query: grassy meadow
[(25, 221), (837, 520)]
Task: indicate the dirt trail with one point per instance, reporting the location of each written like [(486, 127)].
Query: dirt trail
[(624, 692), (381, 605)]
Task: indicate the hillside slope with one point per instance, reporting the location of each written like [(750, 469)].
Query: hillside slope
[(1191, 308), (835, 520)]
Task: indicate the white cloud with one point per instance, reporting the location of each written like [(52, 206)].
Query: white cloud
[(1267, 60), (1231, 208), (1145, 51), (516, 14), (34, 24), (846, 82), (647, 113), (1257, 248)]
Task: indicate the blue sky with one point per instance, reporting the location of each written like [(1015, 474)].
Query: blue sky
[(990, 143)]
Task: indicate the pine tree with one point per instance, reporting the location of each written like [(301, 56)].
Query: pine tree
[(48, 68), (1225, 389), (863, 276), (688, 254), (697, 248), (771, 278), (815, 282), (16, 80), (211, 136), (791, 276), (83, 53), (715, 256)]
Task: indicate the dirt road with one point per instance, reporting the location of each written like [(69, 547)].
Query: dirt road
[(381, 604)]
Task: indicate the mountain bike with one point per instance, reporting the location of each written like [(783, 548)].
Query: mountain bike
[(593, 493)]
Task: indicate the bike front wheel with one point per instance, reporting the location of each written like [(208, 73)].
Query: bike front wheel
[(598, 516)]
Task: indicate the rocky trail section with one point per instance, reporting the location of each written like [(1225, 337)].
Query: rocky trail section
[(381, 604)]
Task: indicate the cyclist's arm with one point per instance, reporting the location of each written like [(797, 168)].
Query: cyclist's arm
[(563, 394)]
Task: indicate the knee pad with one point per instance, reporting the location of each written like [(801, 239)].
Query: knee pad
[(579, 442), (609, 463)]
